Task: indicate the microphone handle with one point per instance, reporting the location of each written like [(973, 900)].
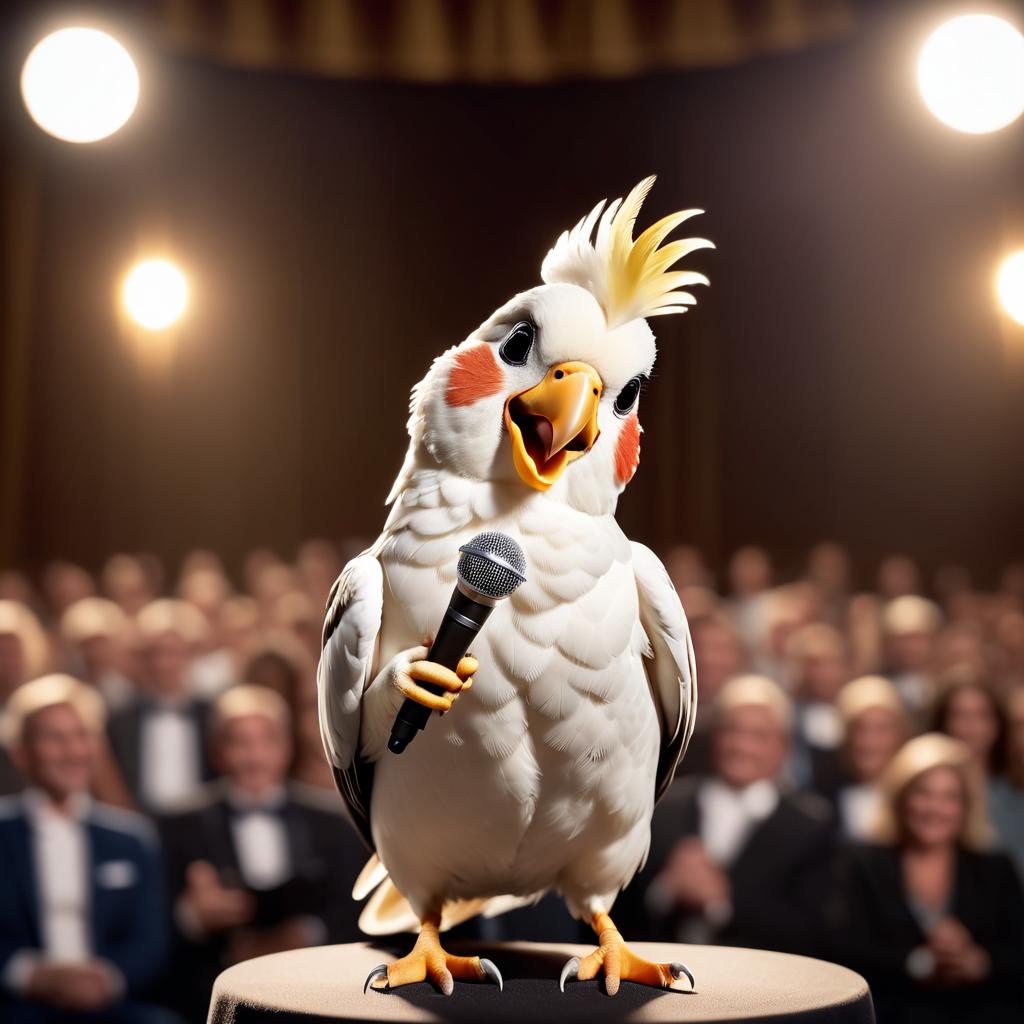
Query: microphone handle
[(460, 625)]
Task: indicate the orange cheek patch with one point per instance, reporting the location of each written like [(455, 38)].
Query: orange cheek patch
[(627, 451), (476, 375)]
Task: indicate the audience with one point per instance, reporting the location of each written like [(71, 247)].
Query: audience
[(764, 838), (82, 913), (932, 918)]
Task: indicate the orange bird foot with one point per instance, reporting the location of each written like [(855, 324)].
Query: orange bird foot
[(619, 963)]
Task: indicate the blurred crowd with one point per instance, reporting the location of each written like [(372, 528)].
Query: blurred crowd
[(854, 788)]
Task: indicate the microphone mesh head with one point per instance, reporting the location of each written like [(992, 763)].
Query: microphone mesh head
[(492, 564)]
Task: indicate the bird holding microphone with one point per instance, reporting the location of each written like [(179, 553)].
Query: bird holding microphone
[(559, 734)]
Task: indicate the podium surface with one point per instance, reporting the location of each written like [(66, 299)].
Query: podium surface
[(326, 984)]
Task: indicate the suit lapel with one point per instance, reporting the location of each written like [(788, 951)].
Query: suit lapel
[(19, 856), (757, 855), (221, 842)]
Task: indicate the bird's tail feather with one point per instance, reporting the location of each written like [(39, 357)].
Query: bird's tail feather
[(388, 911)]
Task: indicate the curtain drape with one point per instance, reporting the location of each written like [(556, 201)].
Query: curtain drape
[(494, 40)]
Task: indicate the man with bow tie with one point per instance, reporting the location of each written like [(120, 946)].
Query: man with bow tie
[(83, 928), (257, 864), (736, 859)]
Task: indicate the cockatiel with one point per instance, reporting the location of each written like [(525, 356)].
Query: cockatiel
[(581, 697)]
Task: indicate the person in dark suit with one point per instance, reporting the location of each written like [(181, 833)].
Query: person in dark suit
[(734, 859), (83, 928), (933, 920), (158, 735), (257, 864)]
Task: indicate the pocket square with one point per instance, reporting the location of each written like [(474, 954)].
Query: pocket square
[(116, 874)]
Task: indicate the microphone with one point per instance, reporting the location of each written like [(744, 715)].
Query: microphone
[(491, 567)]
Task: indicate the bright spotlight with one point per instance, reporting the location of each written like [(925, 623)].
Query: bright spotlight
[(1010, 285), (971, 73), (79, 84), (155, 294)]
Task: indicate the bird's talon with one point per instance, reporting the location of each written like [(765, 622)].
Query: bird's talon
[(678, 970), (491, 970), (569, 972), (380, 971)]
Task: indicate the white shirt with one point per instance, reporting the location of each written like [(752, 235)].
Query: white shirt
[(728, 816), (858, 809), (169, 756), (260, 837), (61, 860), (822, 725)]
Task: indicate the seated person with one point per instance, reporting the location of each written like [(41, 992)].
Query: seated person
[(158, 734), (735, 860), (258, 864), (875, 726), (933, 920), (83, 930), (968, 710), (818, 667)]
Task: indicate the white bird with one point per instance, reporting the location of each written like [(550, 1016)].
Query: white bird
[(544, 776)]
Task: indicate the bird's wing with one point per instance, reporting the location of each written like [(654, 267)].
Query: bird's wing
[(669, 661), (348, 652)]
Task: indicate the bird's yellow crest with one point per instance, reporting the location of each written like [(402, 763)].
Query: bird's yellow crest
[(630, 279)]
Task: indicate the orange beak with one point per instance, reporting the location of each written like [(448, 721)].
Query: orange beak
[(553, 423)]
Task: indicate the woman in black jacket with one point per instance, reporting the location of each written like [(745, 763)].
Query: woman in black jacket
[(933, 921)]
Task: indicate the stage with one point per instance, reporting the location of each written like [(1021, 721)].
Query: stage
[(326, 983)]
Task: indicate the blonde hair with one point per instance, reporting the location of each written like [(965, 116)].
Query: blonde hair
[(46, 692), (911, 614), (860, 695), (630, 279), (17, 619), (758, 690), (169, 615), (92, 617), (920, 755), (813, 640), (248, 699)]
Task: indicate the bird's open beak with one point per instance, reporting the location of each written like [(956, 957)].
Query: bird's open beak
[(553, 423)]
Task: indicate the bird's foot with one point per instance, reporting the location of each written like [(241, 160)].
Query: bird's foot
[(619, 963), (409, 676), (429, 960)]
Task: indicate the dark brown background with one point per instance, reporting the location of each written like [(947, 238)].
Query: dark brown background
[(847, 375)]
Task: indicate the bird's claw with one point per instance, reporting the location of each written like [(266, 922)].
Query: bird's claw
[(678, 970), (569, 972), (490, 969), (380, 971)]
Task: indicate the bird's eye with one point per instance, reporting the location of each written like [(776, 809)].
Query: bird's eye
[(626, 398), (515, 349)]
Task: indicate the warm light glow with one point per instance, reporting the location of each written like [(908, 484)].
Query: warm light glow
[(971, 73), (1010, 284), (79, 84), (155, 294)]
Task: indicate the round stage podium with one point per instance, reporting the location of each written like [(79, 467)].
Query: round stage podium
[(326, 984)]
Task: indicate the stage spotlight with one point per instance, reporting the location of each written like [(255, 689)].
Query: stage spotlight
[(79, 84), (1010, 285), (155, 294), (971, 73)]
